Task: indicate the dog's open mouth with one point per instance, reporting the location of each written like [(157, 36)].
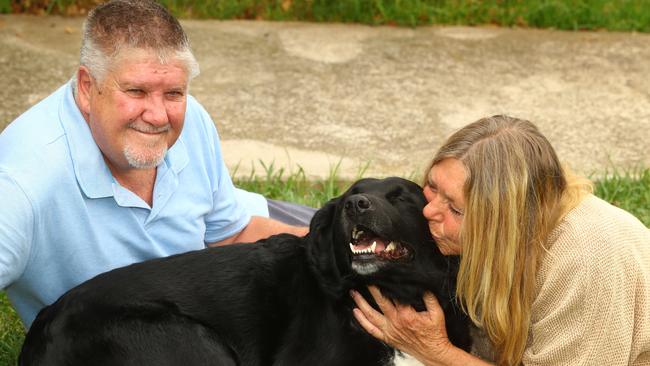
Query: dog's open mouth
[(366, 245)]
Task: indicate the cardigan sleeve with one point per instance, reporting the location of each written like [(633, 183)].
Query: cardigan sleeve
[(586, 304)]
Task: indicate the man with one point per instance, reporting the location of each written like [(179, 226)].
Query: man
[(118, 166)]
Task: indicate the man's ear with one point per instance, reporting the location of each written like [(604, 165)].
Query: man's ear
[(84, 87)]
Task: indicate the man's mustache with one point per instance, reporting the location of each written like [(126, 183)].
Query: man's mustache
[(147, 128)]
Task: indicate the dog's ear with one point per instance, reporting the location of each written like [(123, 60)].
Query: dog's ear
[(322, 252)]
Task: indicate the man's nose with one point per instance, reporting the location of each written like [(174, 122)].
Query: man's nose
[(155, 112)]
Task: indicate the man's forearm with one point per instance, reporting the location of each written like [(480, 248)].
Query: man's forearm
[(261, 228)]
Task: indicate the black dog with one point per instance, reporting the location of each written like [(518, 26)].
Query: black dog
[(280, 301)]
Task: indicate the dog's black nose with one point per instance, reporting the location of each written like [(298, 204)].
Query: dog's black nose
[(357, 204)]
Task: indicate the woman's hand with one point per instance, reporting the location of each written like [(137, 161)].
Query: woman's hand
[(420, 334)]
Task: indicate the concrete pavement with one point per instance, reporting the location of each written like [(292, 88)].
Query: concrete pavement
[(315, 95)]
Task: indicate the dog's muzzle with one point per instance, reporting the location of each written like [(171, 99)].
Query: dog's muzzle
[(369, 248)]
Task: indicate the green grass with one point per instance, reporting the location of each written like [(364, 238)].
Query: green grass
[(618, 15), (294, 186), (628, 190), (11, 333)]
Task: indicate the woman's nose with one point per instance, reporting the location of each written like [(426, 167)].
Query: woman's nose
[(432, 211)]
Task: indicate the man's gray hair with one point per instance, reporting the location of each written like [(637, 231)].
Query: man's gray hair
[(140, 24)]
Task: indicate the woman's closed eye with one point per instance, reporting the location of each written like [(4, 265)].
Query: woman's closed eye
[(454, 210)]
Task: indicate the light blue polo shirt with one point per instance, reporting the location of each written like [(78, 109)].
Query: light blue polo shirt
[(64, 218)]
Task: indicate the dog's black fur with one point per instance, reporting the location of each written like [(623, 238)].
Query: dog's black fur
[(280, 301)]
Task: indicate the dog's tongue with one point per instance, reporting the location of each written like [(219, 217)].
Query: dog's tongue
[(365, 243)]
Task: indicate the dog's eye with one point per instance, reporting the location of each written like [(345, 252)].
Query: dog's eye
[(395, 195)]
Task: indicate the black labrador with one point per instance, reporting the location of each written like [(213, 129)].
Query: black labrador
[(279, 301)]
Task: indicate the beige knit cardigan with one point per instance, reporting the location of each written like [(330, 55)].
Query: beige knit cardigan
[(593, 292)]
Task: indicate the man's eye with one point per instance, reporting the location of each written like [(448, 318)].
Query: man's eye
[(175, 94), (135, 91)]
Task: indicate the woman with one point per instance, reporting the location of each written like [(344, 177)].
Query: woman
[(551, 274)]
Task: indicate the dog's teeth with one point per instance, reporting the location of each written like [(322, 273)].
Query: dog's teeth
[(390, 247), (368, 250), (356, 233)]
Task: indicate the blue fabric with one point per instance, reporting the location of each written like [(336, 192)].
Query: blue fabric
[(65, 219), (290, 213)]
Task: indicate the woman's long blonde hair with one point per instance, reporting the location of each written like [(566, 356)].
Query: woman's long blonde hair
[(515, 192)]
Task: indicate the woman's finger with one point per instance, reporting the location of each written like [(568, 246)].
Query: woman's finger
[(387, 307), (435, 313), (368, 311), (431, 303), (405, 312), (368, 326)]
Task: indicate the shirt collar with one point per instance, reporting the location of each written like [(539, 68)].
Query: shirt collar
[(93, 175)]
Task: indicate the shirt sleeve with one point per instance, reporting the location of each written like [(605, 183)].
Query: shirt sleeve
[(584, 311), (255, 203), (228, 215), (16, 230)]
